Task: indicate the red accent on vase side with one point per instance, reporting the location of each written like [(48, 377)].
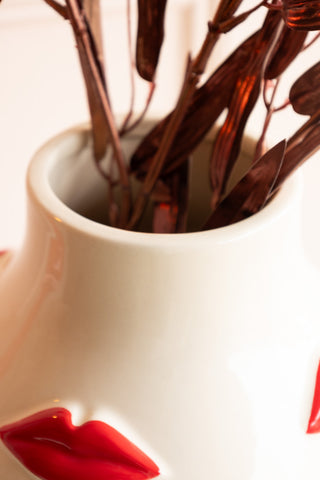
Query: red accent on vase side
[(51, 447), (314, 421)]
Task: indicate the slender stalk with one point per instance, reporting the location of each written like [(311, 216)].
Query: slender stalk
[(131, 66), (188, 89), (270, 112), (126, 129), (229, 24), (61, 9), (95, 82)]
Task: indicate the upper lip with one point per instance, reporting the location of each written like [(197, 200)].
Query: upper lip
[(50, 446)]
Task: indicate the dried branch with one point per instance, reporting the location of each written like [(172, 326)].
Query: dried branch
[(104, 128), (61, 9), (270, 111), (206, 105), (229, 24), (123, 128), (128, 128)]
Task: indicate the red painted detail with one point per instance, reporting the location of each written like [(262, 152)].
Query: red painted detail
[(314, 421), (51, 447)]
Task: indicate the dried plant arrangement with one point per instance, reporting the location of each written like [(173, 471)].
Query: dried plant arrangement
[(252, 71)]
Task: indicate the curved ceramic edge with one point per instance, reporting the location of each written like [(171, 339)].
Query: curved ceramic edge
[(40, 189)]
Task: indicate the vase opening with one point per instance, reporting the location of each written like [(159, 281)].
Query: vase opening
[(73, 178)]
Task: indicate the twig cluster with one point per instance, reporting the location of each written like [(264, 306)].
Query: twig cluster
[(253, 70)]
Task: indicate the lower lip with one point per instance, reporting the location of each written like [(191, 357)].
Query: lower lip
[(52, 448)]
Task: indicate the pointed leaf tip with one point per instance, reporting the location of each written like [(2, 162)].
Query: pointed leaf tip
[(252, 192), (151, 15)]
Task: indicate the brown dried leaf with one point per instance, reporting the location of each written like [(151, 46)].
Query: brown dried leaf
[(207, 104), (61, 9), (302, 14), (252, 192), (227, 145), (289, 45), (305, 92), (151, 14)]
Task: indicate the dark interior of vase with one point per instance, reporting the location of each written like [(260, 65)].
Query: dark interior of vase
[(75, 179)]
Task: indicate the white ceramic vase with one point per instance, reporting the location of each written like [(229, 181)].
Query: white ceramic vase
[(201, 348)]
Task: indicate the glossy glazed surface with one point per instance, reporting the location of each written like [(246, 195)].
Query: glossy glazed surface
[(51, 447), (200, 348)]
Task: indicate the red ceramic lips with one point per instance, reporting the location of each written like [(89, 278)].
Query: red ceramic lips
[(314, 421), (51, 447)]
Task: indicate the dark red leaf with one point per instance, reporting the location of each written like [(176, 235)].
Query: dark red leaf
[(227, 145), (305, 92), (302, 14), (289, 45), (151, 14), (252, 192), (207, 104)]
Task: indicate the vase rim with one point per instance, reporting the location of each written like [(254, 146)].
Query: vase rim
[(40, 190)]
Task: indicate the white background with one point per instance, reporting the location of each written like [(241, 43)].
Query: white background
[(41, 91)]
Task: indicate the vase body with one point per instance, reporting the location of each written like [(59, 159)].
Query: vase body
[(201, 348)]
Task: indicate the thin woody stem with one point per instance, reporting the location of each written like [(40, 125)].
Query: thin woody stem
[(61, 9), (270, 112), (138, 120), (90, 68), (131, 61), (167, 140), (126, 128), (232, 22)]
